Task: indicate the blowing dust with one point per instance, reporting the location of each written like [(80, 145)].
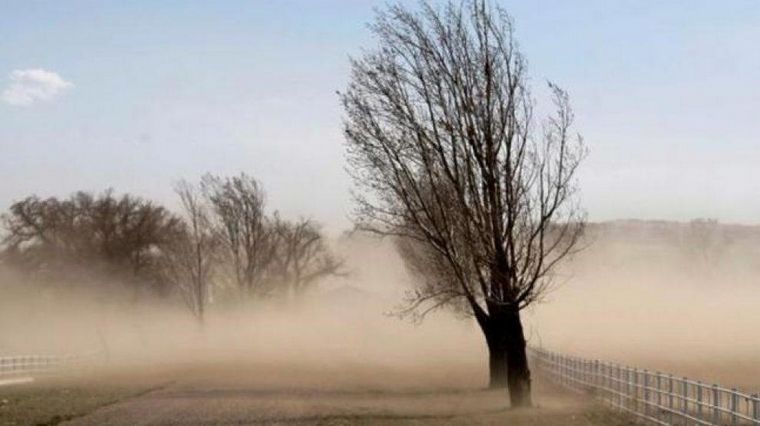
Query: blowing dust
[(642, 294), (679, 298), (341, 334)]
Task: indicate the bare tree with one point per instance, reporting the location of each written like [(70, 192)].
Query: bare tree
[(303, 256), (436, 287), (705, 241), (189, 260), (90, 235), (446, 154), (244, 230)]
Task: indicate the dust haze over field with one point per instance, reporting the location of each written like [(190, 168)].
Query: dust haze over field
[(661, 295), (378, 213), (641, 294), (343, 325)]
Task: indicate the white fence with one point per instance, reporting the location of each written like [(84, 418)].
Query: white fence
[(36, 365), (652, 396)]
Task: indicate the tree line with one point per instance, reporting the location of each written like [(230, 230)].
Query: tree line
[(222, 243)]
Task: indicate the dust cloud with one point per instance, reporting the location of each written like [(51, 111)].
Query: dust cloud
[(343, 327), (645, 294), (660, 295)]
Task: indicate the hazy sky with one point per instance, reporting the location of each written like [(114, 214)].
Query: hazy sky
[(135, 95)]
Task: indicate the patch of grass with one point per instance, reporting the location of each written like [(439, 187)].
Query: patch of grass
[(51, 401), (604, 416), (592, 416)]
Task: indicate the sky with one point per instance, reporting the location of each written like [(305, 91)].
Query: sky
[(137, 95)]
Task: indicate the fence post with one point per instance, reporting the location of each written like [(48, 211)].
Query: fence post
[(685, 398), (671, 406), (659, 395), (582, 364), (756, 408), (699, 399), (572, 373), (633, 397), (565, 371), (553, 366), (716, 405), (620, 385), (608, 380), (734, 404), (571, 370), (576, 373), (646, 393), (596, 375), (556, 369), (587, 373)]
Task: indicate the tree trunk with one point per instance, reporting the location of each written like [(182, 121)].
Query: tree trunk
[(496, 341), (518, 373), (497, 357)]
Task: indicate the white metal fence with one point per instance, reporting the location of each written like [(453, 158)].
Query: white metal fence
[(652, 396), (36, 365)]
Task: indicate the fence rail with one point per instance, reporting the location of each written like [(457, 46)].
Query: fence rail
[(36, 365), (652, 396)]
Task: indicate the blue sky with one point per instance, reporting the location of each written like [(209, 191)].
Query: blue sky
[(666, 95)]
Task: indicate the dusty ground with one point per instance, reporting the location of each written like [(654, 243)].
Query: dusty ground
[(52, 400), (227, 395)]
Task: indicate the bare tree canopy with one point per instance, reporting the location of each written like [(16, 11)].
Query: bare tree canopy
[(267, 255), (446, 153), (243, 229), (303, 256), (190, 258), (103, 234), (222, 247)]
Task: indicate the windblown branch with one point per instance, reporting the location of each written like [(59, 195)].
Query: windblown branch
[(444, 151)]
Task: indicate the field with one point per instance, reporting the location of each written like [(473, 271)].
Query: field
[(50, 401), (285, 394)]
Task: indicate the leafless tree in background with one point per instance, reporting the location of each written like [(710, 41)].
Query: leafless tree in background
[(86, 235), (190, 259), (244, 230), (303, 256), (222, 239), (704, 241), (445, 151)]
